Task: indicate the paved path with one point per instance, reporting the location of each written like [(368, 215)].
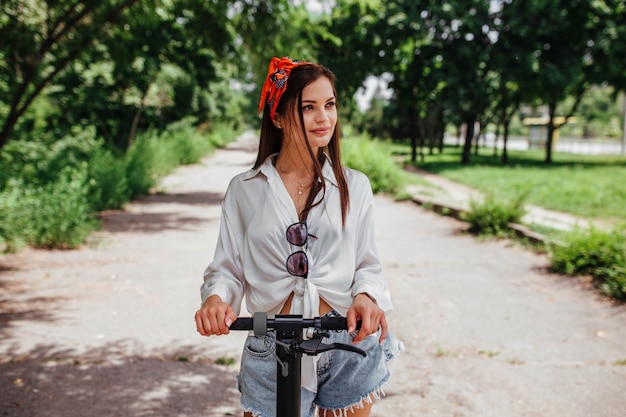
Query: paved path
[(108, 330)]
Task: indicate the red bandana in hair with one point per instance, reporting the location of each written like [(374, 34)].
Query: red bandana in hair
[(276, 82)]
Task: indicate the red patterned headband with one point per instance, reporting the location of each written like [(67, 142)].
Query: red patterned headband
[(276, 82)]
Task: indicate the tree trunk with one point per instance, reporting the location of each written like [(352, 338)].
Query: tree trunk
[(477, 133), (420, 132), (495, 140), (505, 139), (624, 129), (7, 128), (550, 138), (441, 128), (413, 139), (133, 127), (469, 135)]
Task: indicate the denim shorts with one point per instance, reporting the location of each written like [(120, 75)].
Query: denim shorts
[(345, 379)]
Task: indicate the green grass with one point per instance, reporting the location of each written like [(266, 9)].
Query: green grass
[(587, 186)]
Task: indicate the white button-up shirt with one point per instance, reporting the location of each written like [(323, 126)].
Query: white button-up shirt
[(252, 248)]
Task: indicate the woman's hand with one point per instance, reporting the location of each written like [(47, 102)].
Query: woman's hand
[(214, 317), (372, 318)]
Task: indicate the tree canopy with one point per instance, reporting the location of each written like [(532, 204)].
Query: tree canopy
[(128, 65)]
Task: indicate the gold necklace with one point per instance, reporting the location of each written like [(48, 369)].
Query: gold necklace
[(301, 186)]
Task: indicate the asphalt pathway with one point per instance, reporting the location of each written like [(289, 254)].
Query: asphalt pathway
[(108, 330)]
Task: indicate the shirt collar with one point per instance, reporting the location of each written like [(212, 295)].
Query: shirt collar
[(267, 169)]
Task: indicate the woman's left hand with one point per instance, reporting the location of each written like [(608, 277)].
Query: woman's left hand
[(372, 318)]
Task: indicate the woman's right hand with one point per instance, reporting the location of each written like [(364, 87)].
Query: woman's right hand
[(214, 317)]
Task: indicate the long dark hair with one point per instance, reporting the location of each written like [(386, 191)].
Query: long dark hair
[(272, 137)]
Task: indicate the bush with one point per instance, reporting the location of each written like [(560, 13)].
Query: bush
[(155, 155), (594, 252), (55, 215), (50, 195), (612, 281), (108, 184), (185, 146), (375, 161), (491, 217), (140, 166), (39, 163), (222, 135)]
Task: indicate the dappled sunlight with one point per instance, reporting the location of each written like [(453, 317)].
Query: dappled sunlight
[(51, 382)]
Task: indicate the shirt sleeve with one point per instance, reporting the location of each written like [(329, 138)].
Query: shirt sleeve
[(224, 276), (368, 276)]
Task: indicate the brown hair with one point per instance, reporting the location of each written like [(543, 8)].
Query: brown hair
[(271, 136)]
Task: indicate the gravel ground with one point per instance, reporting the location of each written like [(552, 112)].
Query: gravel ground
[(108, 330)]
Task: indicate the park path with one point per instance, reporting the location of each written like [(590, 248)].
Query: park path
[(108, 330)]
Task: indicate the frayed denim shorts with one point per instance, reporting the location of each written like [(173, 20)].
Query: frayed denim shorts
[(345, 379)]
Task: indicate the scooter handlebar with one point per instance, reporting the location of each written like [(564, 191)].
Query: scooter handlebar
[(260, 321)]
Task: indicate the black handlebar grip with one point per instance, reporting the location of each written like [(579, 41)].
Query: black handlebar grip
[(337, 323), (242, 323), (334, 323)]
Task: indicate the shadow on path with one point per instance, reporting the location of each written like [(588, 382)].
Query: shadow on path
[(151, 214), (49, 382), (19, 303)]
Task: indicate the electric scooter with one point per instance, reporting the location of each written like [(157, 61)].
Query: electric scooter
[(290, 346)]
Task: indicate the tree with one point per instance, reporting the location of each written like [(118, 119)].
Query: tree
[(417, 77), (564, 35), (129, 64), (40, 40), (146, 48), (467, 28), (609, 55), (512, 58), (353, 44)]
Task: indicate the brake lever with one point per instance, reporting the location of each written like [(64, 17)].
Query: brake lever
[(314, 346)]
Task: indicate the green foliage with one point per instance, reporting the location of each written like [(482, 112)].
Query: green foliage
[(129, 65), (601, 254), (155, 154), (186, 143), (108, 184), (55, 215), (222, 135), (39, 41), (39, 162), (599, 113), (140, 161), (374, 160), (491, 217), (50, 197)]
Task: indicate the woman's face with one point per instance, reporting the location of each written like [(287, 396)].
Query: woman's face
[(319, 112)]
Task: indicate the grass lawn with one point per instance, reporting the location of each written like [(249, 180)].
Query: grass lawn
[(590, 186)]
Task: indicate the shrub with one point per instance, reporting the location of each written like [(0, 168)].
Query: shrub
[(491, 217), (38, 163), (374, 160), (155, 155), (222, 135), (11, 224), (50, 194), (189, 144), (601, 254), (55, 215), (612, 281), (108, 184), (140, 162)]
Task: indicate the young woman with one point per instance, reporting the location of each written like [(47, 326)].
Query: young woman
[(297, 237)]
